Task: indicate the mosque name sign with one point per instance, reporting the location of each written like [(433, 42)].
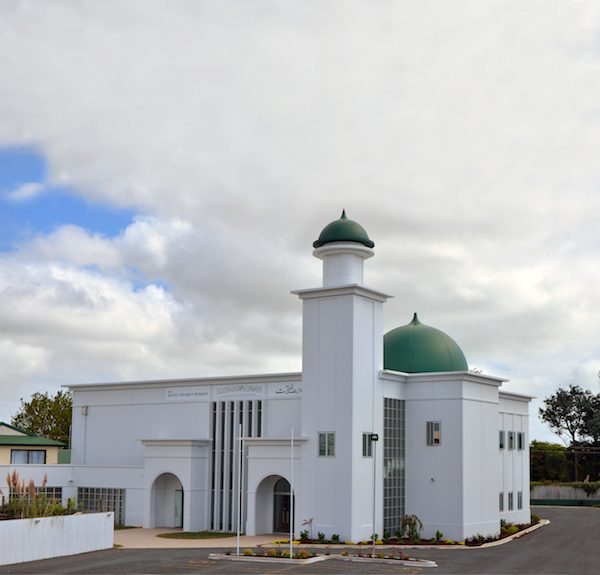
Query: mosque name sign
[(239, 390), (286, 390), (187, 394)]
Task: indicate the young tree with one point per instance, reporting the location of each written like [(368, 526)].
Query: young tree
[(49, 416)]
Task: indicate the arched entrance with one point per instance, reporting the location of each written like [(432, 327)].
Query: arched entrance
[(273, 508), (166, 501)]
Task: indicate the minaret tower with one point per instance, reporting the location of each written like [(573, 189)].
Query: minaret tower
[(343, 396)]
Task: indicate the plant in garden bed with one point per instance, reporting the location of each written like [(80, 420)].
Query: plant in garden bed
[(25, 501)]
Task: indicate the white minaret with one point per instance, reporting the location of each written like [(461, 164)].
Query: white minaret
[(342, 398)]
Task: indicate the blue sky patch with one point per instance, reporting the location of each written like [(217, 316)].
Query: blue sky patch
[(42, 212)]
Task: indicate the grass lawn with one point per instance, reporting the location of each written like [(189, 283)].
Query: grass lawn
[(196, 535)]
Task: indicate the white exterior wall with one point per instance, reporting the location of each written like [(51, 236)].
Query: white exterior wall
[(342, 355), (452, 487), (481, 468), (513, 415)]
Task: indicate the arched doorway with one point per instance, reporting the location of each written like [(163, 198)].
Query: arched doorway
[(166, 501), (273, 509)]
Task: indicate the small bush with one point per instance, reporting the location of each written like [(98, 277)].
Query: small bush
[(271, 553), (303, 554), (304, 536), (438, 536), (335, 538), (411, 526), (248, 553), (321, 536), (535, 518), (285, 554), (380, 555)]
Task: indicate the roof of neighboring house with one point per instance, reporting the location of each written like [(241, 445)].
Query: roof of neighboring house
[(22, 437)]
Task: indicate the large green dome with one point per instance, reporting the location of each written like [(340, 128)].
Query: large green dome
[(343, 230), (418, 348)]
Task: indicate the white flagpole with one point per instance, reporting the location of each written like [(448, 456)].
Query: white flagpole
[(240, 489), (292, 495)]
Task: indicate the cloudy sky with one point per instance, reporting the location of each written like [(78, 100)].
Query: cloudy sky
[(165, 167)]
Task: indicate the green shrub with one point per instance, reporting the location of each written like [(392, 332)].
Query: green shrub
[(411, 526), (271, 553), (248, 553), (335, 538), (321, 536)]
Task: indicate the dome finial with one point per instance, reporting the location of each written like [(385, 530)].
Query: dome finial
[(343, 216), (415, 320)]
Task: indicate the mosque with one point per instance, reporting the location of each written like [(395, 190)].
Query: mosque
[(374, 427)]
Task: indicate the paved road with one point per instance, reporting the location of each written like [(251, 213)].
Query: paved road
[(568, 546)]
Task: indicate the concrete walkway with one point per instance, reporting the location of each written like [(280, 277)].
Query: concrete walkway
[(139, 538)]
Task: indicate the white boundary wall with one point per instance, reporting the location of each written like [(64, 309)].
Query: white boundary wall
[(45, 537)]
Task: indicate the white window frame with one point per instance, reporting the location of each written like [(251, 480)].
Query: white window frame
[(434, 433), (326, 443)]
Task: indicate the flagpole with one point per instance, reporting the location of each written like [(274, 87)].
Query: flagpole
[(292, 495), (240, 489)]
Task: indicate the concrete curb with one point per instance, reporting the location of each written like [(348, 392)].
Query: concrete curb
[(285, 560)]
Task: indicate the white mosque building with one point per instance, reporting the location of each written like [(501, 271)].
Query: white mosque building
[(374, 427)]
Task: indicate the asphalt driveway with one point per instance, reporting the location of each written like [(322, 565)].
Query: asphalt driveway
[(570, 545)]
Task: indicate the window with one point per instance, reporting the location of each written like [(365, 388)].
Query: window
[(502, 440), (511, 439), (519, 500), (510, 501), (434, 433), (367, 445), (501, 501), (327, 444), (103, 499), (24, 456), (521, 440)]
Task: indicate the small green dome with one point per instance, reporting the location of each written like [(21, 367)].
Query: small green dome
[(343, 230), (418, 348)]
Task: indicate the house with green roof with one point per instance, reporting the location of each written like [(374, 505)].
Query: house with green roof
[(19, 447)]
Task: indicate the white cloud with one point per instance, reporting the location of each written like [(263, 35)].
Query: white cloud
[(462, 135), (25, 192)]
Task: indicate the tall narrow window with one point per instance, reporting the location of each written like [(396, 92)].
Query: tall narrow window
[(434, 433), (327, 444), (502, 439), (519, 500), (510, 500), (501, 501), (520, 440), (511, 439), (367, 445)]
